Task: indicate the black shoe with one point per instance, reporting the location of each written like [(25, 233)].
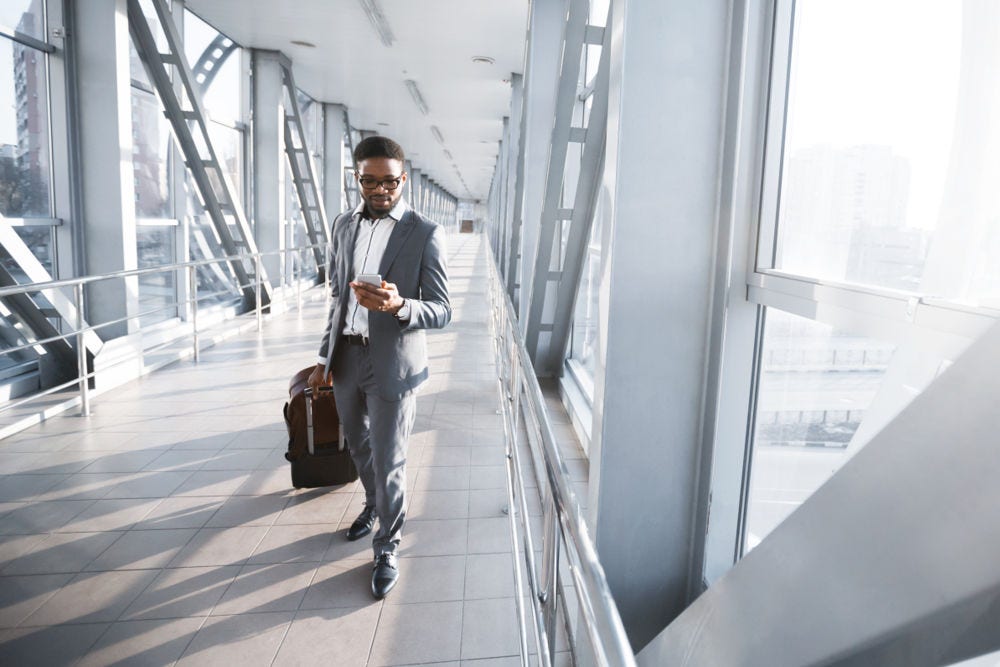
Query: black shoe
[(363, 524), (384, 575)]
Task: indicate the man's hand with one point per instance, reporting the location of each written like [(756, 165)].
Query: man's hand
[(383, 299), (319, 379)]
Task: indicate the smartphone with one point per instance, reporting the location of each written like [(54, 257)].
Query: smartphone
[(370, 278)]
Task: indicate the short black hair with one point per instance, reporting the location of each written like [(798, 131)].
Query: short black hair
[(377, 146)]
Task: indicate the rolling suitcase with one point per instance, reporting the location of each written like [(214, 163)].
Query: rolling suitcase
[(316, 449)]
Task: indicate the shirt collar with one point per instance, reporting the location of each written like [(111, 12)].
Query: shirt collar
[(397, 212)]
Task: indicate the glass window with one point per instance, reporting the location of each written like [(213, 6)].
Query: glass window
[(150, 156), (24, 16), (24, 132), (157, 291), (816, 387), (892, 149)]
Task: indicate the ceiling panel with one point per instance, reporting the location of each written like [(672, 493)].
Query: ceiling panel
[(435, 41)]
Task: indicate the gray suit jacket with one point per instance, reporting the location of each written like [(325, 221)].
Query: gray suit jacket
[(413, 260)]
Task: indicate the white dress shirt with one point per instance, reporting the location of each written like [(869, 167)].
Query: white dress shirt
[(369, 246)]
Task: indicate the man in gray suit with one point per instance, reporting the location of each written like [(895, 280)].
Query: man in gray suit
[(374, 351)]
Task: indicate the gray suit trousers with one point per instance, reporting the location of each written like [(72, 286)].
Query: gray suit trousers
[(377, 431)]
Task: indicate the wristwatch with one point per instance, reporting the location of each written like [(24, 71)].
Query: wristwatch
[(403, 314)]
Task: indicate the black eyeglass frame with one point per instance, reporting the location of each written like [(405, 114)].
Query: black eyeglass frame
[(375, 182)]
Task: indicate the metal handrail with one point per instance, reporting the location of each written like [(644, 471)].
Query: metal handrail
[(80, 328), (565, 524)]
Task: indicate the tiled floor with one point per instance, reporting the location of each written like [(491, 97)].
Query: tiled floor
[(164, 527)]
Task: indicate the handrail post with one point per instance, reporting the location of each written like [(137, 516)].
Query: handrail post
[(259, 307), (297, 276), (81, 353), (193, 295)]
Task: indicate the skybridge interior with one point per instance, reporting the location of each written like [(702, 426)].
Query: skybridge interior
[(721, 385)]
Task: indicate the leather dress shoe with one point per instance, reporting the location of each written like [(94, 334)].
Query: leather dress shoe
[(363, 524), (384, 574)]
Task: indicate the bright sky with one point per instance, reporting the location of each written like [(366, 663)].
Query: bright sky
[(879, 72)]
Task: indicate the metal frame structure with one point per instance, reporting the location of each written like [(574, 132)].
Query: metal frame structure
[(191, 133), (304, 174), (565, 529), (556, 277)]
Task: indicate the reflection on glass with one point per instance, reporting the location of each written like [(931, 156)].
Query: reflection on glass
[(157, 291), (24, 16), (816, 384), (39, 242), (584, 333), (892, 150), (150, 151), (228, 144), (24, 132), (222, 97)]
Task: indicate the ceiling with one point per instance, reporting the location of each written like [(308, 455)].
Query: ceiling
[(435, 41)]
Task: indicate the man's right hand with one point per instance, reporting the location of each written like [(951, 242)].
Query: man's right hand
[(319, 379)]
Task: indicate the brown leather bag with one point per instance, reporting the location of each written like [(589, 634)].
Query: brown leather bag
[(330, 463)]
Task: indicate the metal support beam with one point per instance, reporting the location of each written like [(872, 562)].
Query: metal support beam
[(191, 132)]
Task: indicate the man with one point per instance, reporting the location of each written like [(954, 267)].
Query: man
[(373, 351)]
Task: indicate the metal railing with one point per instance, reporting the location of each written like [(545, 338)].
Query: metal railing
[(564, 527), (80, 328)]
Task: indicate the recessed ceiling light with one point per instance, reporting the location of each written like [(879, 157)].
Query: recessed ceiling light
[(377, 17), (383, 124), (302, 42), (483, 60)]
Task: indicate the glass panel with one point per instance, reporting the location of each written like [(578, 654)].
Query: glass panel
[(39, 241), (222, 98), (157, 291), (24, 132), (892, 153), (585, 317), (816, 385), (25, 16), (150, 152), (228, 144)]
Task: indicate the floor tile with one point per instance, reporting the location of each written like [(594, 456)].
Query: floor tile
[(264, 588), (429, 579), (182, 592), (110, 514), (153, 642), (438, 505), (329, 637), (436, 537), (92, 597), (191, 512), (247, 640), (60, 645), (295, 543), (20, 596), (489, 629), (416, 633), (341, 584), (488, 576), (62, 552), (248, 511), (142, 549), (489, 535), (220, 546)]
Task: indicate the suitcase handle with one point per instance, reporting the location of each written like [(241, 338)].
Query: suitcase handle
[(310, 439)]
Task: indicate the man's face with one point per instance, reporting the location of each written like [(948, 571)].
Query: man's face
[(376, 177)]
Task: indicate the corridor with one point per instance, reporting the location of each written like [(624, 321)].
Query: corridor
[(164, 528)]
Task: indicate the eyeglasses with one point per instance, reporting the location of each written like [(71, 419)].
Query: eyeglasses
[(369, 183)]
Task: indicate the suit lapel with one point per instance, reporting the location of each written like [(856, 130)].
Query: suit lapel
[(397, 238), (347, 248)]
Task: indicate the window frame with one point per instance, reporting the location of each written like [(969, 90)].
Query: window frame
[(755, 121)]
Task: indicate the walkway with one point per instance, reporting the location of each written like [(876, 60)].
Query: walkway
[(164, 528)]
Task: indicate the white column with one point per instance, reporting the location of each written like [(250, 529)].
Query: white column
[(269, 158), (333, 163), (412, 193), (541, 80), (668, 65), (108, 185)]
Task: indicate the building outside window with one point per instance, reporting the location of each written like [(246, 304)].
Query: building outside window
[(883, 191)]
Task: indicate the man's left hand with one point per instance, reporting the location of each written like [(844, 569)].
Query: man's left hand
[(383, 299)]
